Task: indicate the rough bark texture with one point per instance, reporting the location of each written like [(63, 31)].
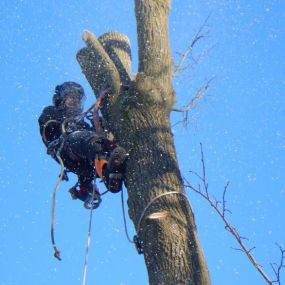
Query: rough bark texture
[(138, 116)]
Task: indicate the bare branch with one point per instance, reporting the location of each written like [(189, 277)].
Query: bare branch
[(185, 110), (237, 249), (188, 54), (229, 227), (200, 94), (224, 198), (196, 174), (188, 51), (217, 202), (278, 267), (251, 249), (244, 238)]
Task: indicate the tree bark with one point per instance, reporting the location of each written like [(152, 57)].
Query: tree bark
[(138, 116)]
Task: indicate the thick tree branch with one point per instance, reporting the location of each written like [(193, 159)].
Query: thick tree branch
[(102, 73), (118, 48), (97, 66)]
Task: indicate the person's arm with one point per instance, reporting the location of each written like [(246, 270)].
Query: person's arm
[(96, 119), (49, 124)]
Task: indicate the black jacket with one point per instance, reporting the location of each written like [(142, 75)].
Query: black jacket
[(51, 119)]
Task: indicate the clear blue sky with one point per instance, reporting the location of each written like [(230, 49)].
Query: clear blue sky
[(241, 123)]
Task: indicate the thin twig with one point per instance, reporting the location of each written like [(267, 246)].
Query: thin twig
[(188, 51), (278, 267), (224, 198), (185, 110), (200, 94)]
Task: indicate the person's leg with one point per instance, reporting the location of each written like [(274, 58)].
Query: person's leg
[(76, 154), (85, 145)]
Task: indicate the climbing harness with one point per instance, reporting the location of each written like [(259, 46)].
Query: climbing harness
[(95, 190)]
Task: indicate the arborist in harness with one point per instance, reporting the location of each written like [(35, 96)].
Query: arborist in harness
[(83, 147)]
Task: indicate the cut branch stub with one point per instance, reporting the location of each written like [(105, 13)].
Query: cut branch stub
[(118, 48), (98, 68)]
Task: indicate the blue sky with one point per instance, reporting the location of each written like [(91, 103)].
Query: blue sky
[(240, 123)]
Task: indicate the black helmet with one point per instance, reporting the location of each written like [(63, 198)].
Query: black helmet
[(65, 89)]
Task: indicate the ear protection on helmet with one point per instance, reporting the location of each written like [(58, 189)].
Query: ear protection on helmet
[(63, 89)]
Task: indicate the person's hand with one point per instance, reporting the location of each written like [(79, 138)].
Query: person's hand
[(101, 98)]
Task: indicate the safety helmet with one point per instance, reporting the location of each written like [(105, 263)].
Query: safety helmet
[(67, 89)]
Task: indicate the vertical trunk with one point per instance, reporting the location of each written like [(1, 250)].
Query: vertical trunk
[(167, 229), (139, 119), (172, 251)]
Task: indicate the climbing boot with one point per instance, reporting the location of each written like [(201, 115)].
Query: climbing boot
[(86, 195), (116, 168), (117, 160), (115, 182), (77, 193)]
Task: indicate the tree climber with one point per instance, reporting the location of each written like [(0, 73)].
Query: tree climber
[(84, 148)]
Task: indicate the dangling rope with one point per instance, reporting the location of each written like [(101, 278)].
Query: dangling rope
[(57, 155), (56, 251), (136, 240), (89, 236), (154, 199), (144, 211), (124, 217)]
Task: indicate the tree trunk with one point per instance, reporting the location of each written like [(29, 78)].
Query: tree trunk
[(138, 116)]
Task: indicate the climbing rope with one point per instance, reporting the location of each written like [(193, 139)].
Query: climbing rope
[(136, 240), (95, 188), (56, 251), (62, 175), (124, 218), (154, 199)]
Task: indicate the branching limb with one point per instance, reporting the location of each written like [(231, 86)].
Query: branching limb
[(278, 267), (102, 73), (199, 95), (224, 209), (183, 66), (221, 209), (188, 53), (98, 68), (117, 46)]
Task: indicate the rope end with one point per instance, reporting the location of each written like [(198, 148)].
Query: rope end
[(57, 254)]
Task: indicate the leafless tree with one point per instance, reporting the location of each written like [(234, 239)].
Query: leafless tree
[(138, 116)]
